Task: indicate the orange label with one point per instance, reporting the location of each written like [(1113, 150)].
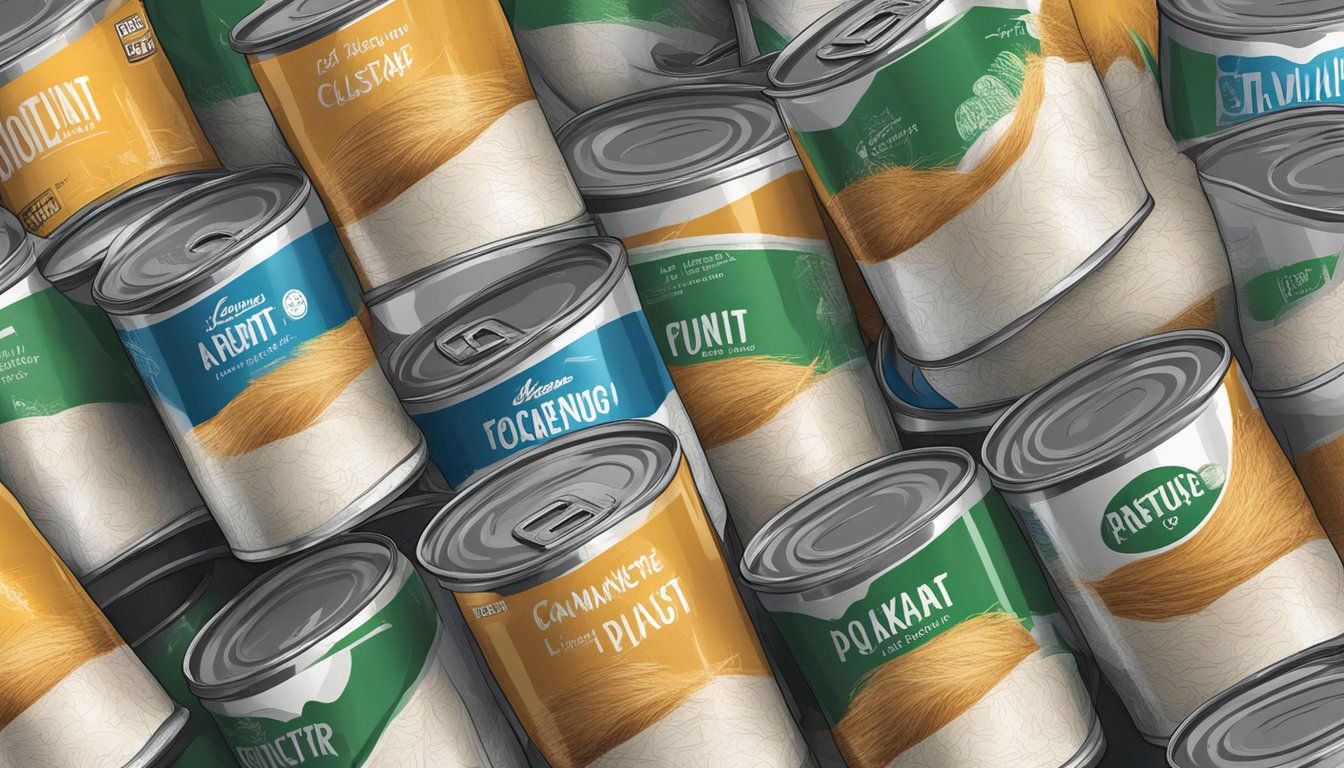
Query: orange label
[(635, 628), (783, 207), (99, 116)]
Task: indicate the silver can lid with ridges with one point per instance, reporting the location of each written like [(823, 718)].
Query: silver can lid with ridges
[(77, 250), (15, 248), (509, 318), (282, 26), (1106, 412), (26, 24), (1285, 716), (261, 637), (859, 524), (157, 260), (1251, 17), (530, 516), (1291, 160), (669, 142)]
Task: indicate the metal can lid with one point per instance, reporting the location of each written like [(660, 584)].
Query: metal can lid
[(154, 261), (1284, 716), (16, 250), (77, 250), (26, 24), (1250, 17), (531, 515), (853, 40), (859, 524), (1107, 411), (1291, 160), (284, 25), (507, 317), (678, 140), (259, 639)]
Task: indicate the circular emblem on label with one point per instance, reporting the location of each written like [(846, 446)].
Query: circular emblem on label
[(1213, 476), (295, 304)]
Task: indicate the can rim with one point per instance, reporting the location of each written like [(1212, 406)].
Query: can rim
[(244, 40), (44, 31), (1320, 382), (22, 258), (1227, 25), (966, 420)]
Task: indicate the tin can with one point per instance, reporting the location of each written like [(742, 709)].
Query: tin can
[(773, 24), (159, 601), (594, 582), (1172, 522), (71, 693), (522, 356), (233, 305), (79, 443), (734, 269), (404, 522), (217, 81), (415, 120), (983, 152), (1272, 185), (1224, 63), (909, 596), (334, 658), (1286, 715), (90, 108)]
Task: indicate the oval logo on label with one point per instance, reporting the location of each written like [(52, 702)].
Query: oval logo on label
[(1161, 507)]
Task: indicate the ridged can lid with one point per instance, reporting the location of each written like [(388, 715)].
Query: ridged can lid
[(1252, 17)]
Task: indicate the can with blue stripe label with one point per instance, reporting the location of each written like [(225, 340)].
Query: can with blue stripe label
[(241, 312)]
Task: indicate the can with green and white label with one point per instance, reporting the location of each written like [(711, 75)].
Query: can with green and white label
[(909, 596), (772, 24)]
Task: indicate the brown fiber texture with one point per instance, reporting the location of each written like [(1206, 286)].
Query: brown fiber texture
[(860, 296), (433, 119), (1107, 26), (292, 397), (1322, 472), (617, 704), (729, 399), (913, 696), (1203, 314), (1263, 514)]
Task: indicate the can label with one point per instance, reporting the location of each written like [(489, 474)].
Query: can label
[(610, 373), (195, 35), (527, 15), (1269, 295), (334, 711), (768, 39), (56, 354), (100, 116)]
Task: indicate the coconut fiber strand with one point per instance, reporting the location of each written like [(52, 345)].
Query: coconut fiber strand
[(1322, 472)]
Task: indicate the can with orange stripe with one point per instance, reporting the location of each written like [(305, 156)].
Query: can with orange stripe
[(89, 107), (732, 264)]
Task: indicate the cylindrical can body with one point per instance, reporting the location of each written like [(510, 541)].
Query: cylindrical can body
[(217, 81), (775, 23), (80, 445), (260, 365), (1172, 522), (90, 115), (946, 605), (996, 218), (71, 693), (608, 614), (424, 144)]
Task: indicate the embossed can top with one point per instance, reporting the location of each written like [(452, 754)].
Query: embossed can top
[(1254, 17)]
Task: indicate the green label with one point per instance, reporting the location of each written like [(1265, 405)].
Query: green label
[(965, 572), (1161, 507), (539, 14), (1270, 294), (980, 62), (195, 35), (716, 304), (57, 354), (347, 698), (768, 40)]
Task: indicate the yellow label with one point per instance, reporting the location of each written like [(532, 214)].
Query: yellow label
[(784, 207), (630, 630), (96, 118)]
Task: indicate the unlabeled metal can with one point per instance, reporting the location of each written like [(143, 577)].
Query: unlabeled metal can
[(88, 107), (80, 445), (334, 658), (968, 117), (1171, 521), (733, 267), (417, 123), (72, 695), (773, 24), (1276, 191), (217, 81), (1286, 716), (523, 355), (1227, 61), (910, 597), (233, 305), (597, 589)]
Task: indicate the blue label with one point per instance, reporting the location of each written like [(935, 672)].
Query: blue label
[(612, 373), (204, 356), (1255, 85), (910, 386)]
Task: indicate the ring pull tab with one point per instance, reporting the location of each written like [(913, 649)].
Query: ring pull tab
[(717, 53), (560, 520), (466, 343), (856, 41), (212, 242)]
